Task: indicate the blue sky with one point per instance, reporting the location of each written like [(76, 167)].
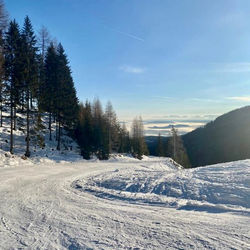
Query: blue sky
[(159, 59)]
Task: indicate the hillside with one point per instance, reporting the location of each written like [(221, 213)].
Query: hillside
[(225, 139), (123, 203), (40, 145)]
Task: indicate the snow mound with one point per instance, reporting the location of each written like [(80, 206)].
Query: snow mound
[(221, 187)]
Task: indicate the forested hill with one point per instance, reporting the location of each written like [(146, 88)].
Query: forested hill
[(227, 138)]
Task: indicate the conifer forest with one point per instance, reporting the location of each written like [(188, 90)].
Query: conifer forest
[(37, 84)]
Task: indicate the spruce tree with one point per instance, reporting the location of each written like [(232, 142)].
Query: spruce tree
[(30, 72), (13, 71), (84, 130), (66, 102), (3, 25), (48, 89)]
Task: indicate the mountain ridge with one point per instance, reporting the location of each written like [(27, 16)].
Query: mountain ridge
[(225, 139)]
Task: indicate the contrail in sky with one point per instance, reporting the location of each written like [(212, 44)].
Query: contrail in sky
[(125, 34)]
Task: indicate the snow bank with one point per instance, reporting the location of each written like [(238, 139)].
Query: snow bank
[(221, 187)]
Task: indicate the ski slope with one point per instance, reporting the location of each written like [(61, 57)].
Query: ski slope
[(123, 203)]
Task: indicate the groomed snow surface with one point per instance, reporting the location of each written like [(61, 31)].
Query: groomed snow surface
[(123, 203)]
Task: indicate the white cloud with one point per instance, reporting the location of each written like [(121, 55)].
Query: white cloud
[(239, 98), (132, 70)]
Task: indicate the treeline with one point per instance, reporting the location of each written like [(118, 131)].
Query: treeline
[(36, 83), (172, 147), (100, 133)]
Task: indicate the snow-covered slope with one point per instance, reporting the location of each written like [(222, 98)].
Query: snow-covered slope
[(69, 148), (217, 187), (124, 203)]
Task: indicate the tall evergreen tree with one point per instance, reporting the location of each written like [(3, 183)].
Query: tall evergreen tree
[(13, 71), (66, 103), (3, 25), (43, 44), (30, 70), (48, 88), (84, 130)]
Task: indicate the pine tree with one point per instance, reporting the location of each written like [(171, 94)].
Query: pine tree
[(43, 44), (13, 71), (3, 25), (30, 65), (66, 102), (176, 149), (48, 89), (124, 140), (84, 130)]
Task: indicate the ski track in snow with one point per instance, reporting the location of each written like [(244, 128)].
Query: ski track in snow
[(71, 206)]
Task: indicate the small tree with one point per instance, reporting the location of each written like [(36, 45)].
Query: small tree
[(139, 146), (176, 149), (160, 148), (44, 40)]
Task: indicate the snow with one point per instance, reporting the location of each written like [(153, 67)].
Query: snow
[(123, 203), (223, 186), (69, 148)]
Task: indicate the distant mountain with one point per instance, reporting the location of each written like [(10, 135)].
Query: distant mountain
[(225, 139)]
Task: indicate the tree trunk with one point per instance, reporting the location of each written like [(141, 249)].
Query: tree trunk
[(22, 100), (27, 153), (1, 114), (31, 103), (11, 122), (14, 118), (56, 131), (59, 135), (50, 137)]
